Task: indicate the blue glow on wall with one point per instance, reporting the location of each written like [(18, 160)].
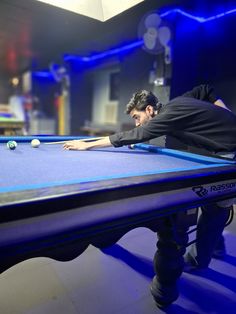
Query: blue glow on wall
[(139, 43), (133, 45), (42, 74), (197, 18), (107, 53)]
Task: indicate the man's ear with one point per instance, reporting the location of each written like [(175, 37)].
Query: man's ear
[(150, 110)]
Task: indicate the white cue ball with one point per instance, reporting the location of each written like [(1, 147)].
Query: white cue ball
[(35, 143)]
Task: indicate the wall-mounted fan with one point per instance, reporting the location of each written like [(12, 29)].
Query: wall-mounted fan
[(156, 35), (59, 73)]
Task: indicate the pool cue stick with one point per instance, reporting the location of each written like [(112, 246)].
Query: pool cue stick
[(91, 139)]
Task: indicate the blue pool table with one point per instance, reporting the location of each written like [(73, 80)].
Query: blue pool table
[(54, 203)]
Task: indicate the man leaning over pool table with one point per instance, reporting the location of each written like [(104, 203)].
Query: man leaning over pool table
[(193, 120)]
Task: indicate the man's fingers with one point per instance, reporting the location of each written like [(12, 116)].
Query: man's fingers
[(75, 145), (67, 145)]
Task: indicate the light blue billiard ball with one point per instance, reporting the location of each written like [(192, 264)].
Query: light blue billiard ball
[(11, 145), (35, 143)]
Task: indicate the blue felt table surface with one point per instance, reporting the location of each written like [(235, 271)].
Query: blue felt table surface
[(50, 165)]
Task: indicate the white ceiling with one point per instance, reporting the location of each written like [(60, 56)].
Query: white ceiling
[(101, 10)]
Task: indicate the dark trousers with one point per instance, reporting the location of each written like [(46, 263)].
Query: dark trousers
[(210, 227)]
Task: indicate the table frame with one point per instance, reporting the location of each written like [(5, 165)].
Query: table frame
[(57, 224)]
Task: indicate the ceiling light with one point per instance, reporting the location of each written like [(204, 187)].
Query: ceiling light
[(101, 10)]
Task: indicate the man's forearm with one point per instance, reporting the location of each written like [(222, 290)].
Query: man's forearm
[(83, 145), (104, 142)]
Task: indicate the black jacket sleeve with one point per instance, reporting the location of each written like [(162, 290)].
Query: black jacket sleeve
[(202, 92), (160, 125)]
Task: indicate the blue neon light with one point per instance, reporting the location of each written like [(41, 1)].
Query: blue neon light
[(197, 18), (139, 43), (102, 55), (44, 74), (135, 44)]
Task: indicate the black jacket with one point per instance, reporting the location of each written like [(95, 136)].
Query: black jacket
[(190, 118)]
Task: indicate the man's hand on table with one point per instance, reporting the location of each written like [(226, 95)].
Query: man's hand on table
[(76, 145), (82, 145)]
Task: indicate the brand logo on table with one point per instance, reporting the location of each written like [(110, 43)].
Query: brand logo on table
[(223, 187), (217, 188), (200, 190)]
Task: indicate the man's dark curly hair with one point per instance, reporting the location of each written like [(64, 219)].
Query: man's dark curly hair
[(141, 100)]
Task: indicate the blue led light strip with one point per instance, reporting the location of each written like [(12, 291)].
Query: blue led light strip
[(43, 74), (197, 18), (139, 43), (111, 52), (135, 44)]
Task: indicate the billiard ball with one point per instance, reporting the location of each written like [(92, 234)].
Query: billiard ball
[(11, 145), (35, 143), (131, 146)]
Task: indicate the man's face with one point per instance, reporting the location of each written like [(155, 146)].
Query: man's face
[(142, 117)]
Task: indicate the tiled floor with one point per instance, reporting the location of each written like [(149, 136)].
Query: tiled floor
[(115, 281)]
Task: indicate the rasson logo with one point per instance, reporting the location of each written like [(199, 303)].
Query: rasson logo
[(201, 191)]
